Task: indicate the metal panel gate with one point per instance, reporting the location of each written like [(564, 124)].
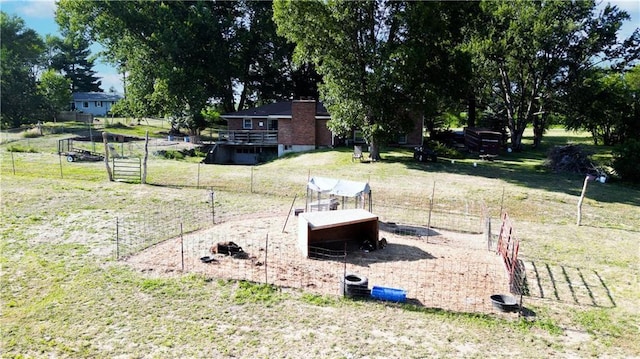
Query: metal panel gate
[(127, 169)]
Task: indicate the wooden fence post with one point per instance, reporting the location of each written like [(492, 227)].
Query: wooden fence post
[(146, 155), (106, 155), (584, 190)]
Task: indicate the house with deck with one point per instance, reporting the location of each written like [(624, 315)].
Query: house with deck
[(273, 130)]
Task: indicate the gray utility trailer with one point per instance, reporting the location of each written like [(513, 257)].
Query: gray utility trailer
[(66, 148)]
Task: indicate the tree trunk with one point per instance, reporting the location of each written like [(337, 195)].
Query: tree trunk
[(471, 115), (374, 150), (538, 130), (243, 97), (516, 137)]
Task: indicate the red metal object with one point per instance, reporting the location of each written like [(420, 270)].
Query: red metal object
[(508, 246)]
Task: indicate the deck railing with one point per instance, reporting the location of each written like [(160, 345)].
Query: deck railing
[(249, 136)]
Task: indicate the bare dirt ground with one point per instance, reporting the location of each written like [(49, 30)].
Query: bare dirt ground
[(437, 269)]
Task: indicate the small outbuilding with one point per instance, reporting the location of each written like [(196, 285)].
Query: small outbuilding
[(320, 231), (325, 194)]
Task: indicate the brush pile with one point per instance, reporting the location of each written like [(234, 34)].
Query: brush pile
[(570, 158)]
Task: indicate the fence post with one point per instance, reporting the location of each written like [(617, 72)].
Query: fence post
[(287, 220), (213, 206), (105, 137), (145, 158), (344, 271), (502, 202), (117, 239), (181, 246), (198, 180), (488, 229), (266, 266), (433, 193)]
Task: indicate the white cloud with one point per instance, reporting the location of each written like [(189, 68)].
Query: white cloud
[(44, 9), (630, 6), (109, 80)]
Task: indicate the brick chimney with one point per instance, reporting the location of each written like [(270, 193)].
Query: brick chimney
[(303, 121)]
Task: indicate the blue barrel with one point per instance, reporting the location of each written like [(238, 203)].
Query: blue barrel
[(389, 294), (170, 138)]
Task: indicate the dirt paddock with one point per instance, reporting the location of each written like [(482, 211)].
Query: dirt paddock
[(437, 269)]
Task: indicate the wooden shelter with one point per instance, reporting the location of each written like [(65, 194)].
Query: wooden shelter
[(319, 229)]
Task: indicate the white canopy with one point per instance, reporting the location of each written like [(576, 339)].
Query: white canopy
[(338, 187)]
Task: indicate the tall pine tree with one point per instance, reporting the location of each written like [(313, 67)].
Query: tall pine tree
[(71, 57)]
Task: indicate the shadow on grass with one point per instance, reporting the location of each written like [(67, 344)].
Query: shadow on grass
[(569, 284), (523, 169)]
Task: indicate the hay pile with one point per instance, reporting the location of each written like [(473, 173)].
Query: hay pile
[(570, 158)]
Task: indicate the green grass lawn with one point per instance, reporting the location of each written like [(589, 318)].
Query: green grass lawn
[(64, 295)]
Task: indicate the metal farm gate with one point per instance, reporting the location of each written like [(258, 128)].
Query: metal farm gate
[(127, 169)]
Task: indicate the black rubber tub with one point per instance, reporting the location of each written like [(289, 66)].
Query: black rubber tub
[(504, 303), (207, 259)]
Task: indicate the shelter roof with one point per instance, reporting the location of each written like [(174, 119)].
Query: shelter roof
[(338, 187)]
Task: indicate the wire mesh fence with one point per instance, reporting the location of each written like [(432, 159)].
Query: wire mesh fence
[(458, 274), (441, 270), (138, 231)]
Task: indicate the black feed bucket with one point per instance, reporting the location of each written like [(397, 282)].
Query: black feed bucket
[(504, 303)]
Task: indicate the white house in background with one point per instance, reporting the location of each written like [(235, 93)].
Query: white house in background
[(95, 103)]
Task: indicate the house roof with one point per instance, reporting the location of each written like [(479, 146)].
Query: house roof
[(96, 96), (278, 109)]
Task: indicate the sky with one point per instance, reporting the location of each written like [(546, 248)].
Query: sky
[(39, 16)]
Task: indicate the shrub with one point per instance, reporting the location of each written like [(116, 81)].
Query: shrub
[(18, 148), (444, 151), (33, 133), (115, 125), (626, 157), (172, 155)]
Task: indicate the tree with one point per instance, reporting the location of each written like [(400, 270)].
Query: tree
[(71, 56), (180, 55), (436, 65), (264, 60), (603, 103), (626, 157), (352, 45), (533, 50), (20, 52), (384, 64), (55, 90)]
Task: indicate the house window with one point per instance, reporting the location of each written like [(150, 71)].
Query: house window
[(85, 104), (358, 137), (402, 139), (98, 103), (247, 124), (272, 125)]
